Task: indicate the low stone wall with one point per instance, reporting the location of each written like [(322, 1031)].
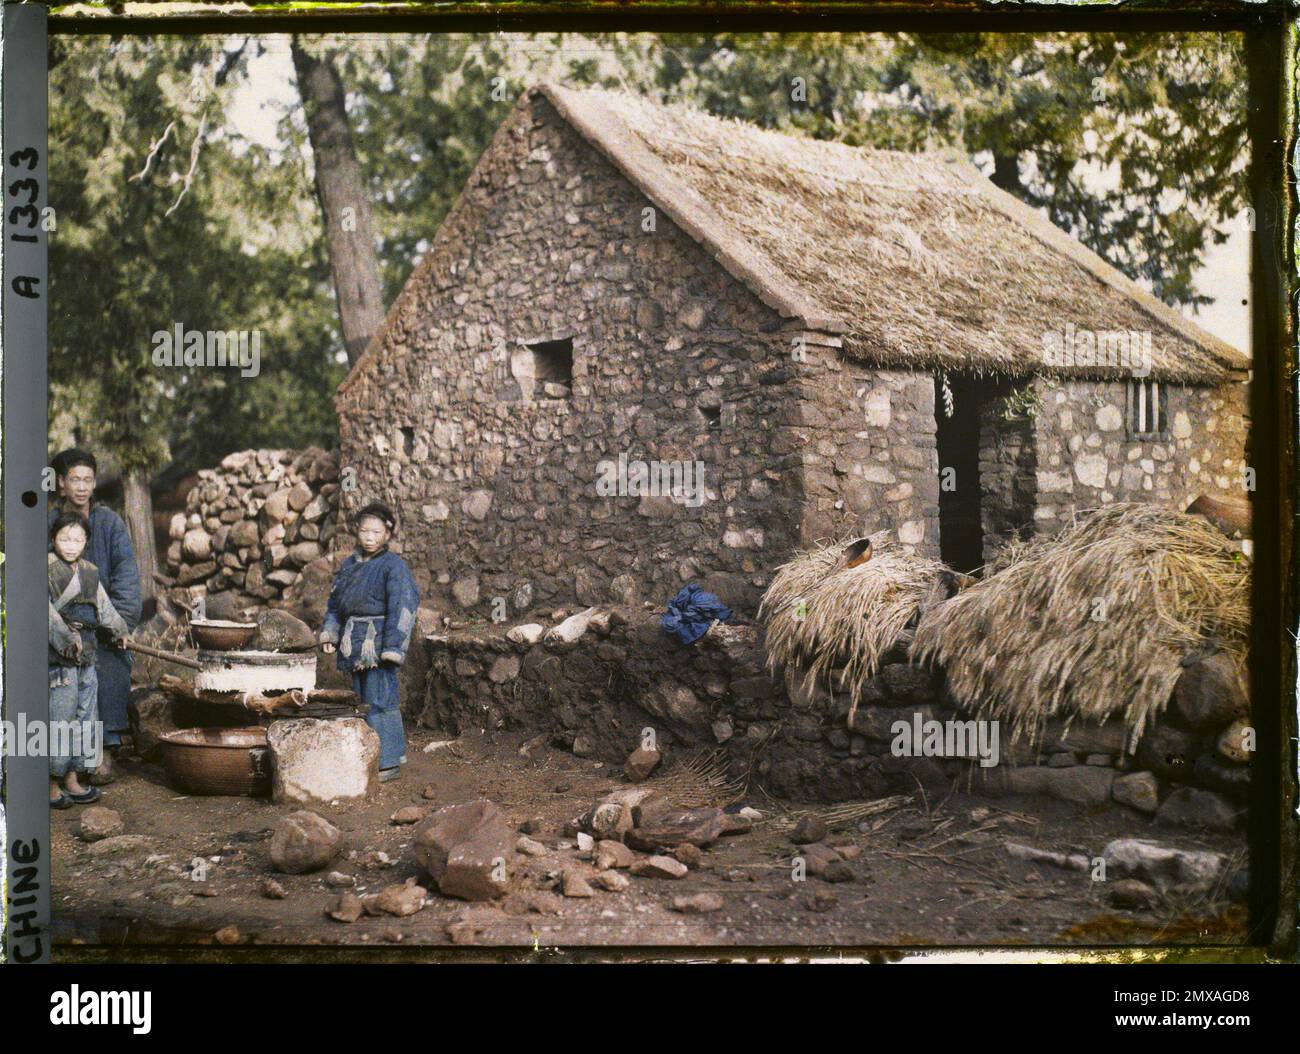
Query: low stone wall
[(253, 523), (623, 675)]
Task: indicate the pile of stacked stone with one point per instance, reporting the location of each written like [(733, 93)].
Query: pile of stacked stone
[(253, 523)]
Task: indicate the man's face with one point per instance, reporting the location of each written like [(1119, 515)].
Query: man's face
[(78, 485), (372, 534), (70, 543)]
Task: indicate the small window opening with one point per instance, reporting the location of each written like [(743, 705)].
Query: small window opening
[(553, 368), (710, 417), (1148, 409), (408, 441)]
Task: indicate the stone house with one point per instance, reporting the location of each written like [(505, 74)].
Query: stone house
[(628, 297)]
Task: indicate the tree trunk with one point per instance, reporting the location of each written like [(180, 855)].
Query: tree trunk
[(138, 506), (349, 238)]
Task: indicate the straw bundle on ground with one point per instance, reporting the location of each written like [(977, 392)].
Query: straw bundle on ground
[(821, 615), (1092, 623)]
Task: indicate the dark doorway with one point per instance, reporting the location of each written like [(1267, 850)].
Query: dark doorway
[(958, 405)]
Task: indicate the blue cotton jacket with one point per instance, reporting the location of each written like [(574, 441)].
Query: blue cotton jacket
[(371, 611)]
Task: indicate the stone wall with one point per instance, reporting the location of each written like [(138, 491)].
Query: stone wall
[(1086, 457), (869, 460), (624, 675), (253, 523), (493, 463)]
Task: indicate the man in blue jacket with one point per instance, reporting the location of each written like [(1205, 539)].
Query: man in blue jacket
[(109, 549)]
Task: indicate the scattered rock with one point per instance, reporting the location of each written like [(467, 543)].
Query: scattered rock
[(809, 829), (408, 814), (574, 884), (303, 842), (120, 843), (688, 854), (1069, 861), (338, 880), (583, 747), (533, 826), (612, 881), (272, 890), (469, 925), (402, 900), (227, 935), (1193, 807), (1163, 866), (466, 849), (1131, 893), (429, 793), (697, 904), (610, 820), (529, 847), (611, 854), (347, 908), (98, 823), (571, 630), (671, 827), (641, 763), (529, 633), (819, 900), (659, 867)]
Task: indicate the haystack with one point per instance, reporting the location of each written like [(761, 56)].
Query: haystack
[(1093, 623), (822, 616)]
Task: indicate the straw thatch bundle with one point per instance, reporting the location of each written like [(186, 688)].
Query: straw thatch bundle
[(821, 615), (1092, 623)]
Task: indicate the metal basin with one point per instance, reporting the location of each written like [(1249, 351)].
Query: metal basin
[(220, 635)]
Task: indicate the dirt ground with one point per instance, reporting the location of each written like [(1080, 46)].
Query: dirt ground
[(929, 872)]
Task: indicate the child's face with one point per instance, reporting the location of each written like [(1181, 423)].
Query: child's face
[(70, 543), (372, 534)]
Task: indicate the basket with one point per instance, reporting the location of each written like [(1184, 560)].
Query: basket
[(230, 761)]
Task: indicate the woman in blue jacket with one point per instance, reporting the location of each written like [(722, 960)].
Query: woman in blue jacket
[(369, 621)]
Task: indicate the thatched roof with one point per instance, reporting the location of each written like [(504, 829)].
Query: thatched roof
[(1092, 623), (915, 259)]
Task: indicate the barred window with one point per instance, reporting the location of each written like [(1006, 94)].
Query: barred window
[(1148, 409)]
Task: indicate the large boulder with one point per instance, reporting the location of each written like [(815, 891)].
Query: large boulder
[(1209, 695), (1163, 866), (323, 761), (1082, 784), (277, 630), (670, 827), (467, 849), (1196, 808), (303, 842)]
